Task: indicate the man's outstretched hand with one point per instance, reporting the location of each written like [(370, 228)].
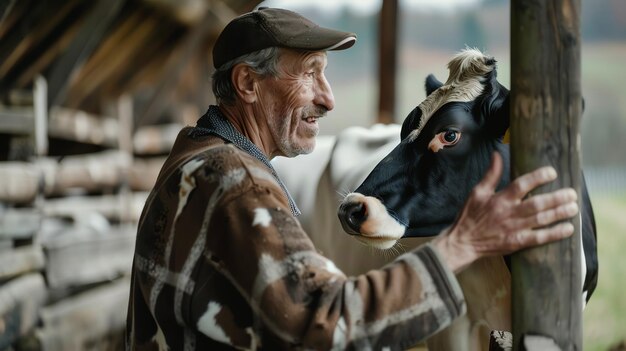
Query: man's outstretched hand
[(499, 223)]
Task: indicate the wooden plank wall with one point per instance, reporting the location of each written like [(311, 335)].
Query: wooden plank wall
[(68, 215)]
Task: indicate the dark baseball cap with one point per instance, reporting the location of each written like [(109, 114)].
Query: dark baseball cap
[(267, 27)]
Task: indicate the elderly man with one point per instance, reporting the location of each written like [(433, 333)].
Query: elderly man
[(221, 261)]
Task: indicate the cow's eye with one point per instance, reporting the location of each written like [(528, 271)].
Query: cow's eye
[(450, 136), (446, 138)]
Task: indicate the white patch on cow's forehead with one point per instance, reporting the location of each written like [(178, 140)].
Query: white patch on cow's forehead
[(209, 326), (465, 83), (262, 217)]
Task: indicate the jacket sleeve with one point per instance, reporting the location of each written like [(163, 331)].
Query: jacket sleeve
[(304, 299)]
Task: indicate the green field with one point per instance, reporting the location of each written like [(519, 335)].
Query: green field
[(605, 316)]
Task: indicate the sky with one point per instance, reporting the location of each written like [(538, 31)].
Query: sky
[(369, 6)]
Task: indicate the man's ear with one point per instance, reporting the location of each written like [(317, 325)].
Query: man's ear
[(243, 79)]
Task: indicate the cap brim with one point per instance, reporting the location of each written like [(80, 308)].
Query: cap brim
[(343, 44), (322, 39)]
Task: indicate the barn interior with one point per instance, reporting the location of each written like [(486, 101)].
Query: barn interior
[(91, 95)]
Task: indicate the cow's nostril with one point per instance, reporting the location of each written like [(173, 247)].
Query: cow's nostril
[(356, 214), (352, 215)]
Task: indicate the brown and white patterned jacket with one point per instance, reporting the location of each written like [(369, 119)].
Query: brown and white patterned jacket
[(221, 263)]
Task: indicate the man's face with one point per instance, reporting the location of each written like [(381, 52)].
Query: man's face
[(293, 101)]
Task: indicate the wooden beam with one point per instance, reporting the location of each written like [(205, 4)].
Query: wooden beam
[(91, 172), (224, 13), (87, 39), (116, 52), (123, 34), (175, 65), (19, 223), (85, 321), (188, 12), (105, 205), (387, 53), (40, 130), (21, 260), (109, 254), (20, 182), (34, 37), (155, 139), (38, 46), (53, 49), (151, 72), (545, 130), (17, 120), (7, 16), (159, 43), (27, 17), (76, 125), (143, 174), (247, 5)]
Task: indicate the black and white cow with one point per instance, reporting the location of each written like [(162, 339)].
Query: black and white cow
[(418, 189)]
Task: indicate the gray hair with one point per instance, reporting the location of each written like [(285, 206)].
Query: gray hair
[(263, 62)]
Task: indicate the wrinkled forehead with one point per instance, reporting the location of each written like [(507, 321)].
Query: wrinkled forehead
[(298, 60)]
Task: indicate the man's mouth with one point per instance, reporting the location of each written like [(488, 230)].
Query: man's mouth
[(311, 119)]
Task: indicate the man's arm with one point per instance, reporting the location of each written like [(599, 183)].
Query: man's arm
[(305, 300)]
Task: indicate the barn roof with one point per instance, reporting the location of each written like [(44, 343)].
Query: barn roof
[(93, 52)]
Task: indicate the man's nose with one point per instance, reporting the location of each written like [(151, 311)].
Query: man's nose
[(324, 95)]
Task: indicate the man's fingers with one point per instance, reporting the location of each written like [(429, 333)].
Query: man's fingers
[(492, 177), (544, 235), (529, 181), (546, 201), (550, 216)]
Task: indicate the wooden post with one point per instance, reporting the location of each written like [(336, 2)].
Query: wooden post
[(545, 116), (387, 41)]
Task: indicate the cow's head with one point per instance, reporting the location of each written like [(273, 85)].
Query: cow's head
[(446, 146)]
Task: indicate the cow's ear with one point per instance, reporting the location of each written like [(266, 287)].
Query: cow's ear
[(432, 84), (495, 108), (501, 116), (410, 122)]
